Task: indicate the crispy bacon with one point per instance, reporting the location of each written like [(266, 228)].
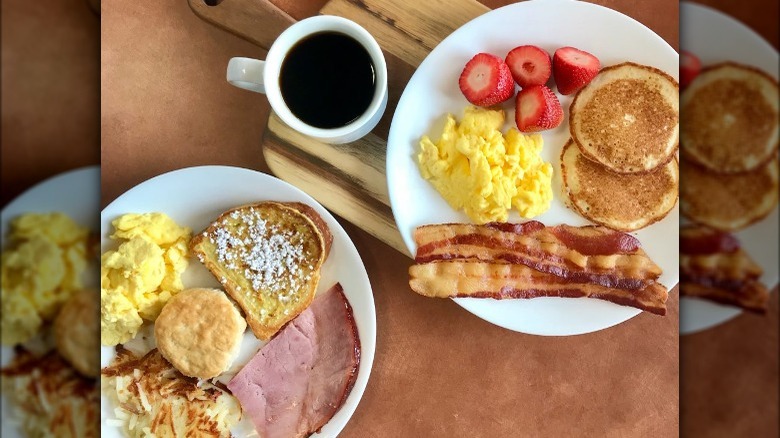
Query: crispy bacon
[(714, 267), (750, 295), (480, 279), (590, 254), (699, 240)]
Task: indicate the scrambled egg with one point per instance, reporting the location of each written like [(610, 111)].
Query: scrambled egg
[(41, 268), (139, 277), (477, 169)]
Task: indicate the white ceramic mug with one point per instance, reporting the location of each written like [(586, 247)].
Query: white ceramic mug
[(263, 77)]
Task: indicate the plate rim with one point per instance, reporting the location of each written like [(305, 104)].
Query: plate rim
[(81, 173), (393, 144), (727, 313), (367, 356)]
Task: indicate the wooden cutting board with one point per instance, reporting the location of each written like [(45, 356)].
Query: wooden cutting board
[(347, 179)]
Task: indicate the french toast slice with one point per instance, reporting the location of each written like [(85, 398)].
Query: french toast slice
[(730, 118), (624, 202), (627, 118), (268, 257)]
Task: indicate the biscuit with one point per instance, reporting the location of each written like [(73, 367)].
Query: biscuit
[(199, 331), (77, 332)]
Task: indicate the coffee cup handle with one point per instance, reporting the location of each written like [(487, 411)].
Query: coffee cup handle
[(246, 73)]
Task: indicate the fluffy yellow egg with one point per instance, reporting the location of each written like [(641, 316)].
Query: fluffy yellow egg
[(42, 266), (142, 274), (479, 170)]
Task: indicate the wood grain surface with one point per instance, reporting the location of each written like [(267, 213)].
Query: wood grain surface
[(438, 370), (407, 32), (407, 29)]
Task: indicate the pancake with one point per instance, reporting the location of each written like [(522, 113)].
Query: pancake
[(728, 202), (627, 118), (624, 202), (730, 118)]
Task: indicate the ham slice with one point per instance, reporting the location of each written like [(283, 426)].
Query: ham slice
[(298, 380)]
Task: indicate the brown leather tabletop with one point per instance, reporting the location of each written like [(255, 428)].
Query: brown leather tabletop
[(438, 371), (50, 97), (729, 374)]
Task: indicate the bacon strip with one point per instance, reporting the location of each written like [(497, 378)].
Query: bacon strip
[(750, 295), (714, 267), (480, 279), (589, 254), (699, 240)]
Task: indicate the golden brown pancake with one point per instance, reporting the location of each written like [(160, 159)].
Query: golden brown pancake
[(728, 202), (627, 118), (730, 118), (624, 202)]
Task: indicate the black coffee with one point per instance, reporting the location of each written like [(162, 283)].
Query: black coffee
[(327, 80)]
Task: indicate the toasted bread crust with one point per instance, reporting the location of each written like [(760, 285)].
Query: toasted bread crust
[(731, 118), (318, 221), (292, 292), (638, 141)]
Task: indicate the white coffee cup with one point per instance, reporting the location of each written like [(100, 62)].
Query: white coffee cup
[(263, 77)]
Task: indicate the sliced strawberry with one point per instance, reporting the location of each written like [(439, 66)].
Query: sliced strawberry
[(573, 69), (529, 65), (537, 108), (486, 80), (690, 66)]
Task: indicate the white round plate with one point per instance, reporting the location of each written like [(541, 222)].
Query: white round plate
[(194, 197), (715, 37), (433, 92), (75, 193)]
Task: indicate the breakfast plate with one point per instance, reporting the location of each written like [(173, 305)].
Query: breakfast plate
[(433, 92), (715, 37), (75, 193), (194, 197)]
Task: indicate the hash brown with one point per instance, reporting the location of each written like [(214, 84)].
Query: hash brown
[(49, 398)]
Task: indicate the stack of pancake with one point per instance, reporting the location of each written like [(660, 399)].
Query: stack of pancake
[(729, 147), (729, 143), (619, 167)]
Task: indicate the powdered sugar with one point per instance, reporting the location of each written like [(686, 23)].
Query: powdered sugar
[(271, 257)]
